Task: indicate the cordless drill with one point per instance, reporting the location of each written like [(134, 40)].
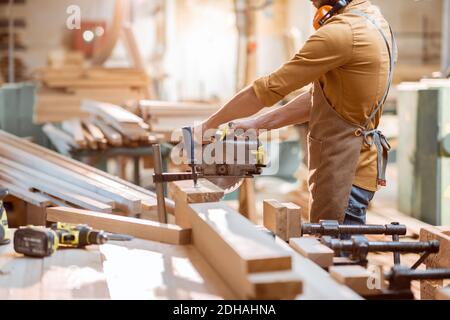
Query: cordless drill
[(5, 235), (42, 242)]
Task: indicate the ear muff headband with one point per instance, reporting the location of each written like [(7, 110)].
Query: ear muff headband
[(326, 12)]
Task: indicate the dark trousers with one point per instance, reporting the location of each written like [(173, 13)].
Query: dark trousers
[(356, 212)]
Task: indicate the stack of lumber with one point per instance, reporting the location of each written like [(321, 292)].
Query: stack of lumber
[(108, 126), (166, 117), (44, 178), (128, 124), (63, 89)]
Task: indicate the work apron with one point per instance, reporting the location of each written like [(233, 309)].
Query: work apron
[(335, 146)]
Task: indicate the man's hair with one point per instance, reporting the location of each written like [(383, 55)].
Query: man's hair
[(328, 2)]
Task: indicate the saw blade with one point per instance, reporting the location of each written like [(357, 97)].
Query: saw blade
[(228, 184)]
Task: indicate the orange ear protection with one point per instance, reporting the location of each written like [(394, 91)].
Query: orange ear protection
[(326, 12)]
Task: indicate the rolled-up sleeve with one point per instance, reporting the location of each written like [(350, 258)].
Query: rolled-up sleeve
[(330, 47)]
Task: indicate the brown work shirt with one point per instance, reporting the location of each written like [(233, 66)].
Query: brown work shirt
[(351, 61)]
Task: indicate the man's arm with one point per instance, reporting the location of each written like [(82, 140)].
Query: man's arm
[(244, 104), (295, 112), (329, 48)]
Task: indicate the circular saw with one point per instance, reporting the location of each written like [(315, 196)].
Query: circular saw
[(226, 160)]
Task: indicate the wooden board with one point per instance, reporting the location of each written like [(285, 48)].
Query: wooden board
[(237, 251), (312, 249), (185, 193), (122, 187), (441, 259), (283, 219), (356, 278), (317, 283), (443, 294), (429, 289), (143, 229), (46, 160), (256, 250)]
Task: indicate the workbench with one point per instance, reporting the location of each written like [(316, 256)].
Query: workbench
[(139, 269)]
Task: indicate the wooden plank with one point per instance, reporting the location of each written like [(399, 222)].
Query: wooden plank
[(430, 288), (142, 229), (184, 193), (74, 127), (283, 219), (96, 133), (92, 143), (39, 158), (35, 216), (114, 138), (275, 218), (125, 188), (355, 277), (443, 294), (237, 251), (67, 196), (317, 283), (294, 220), (25, 195), (256, 250), (312, 249), (55, 134), (441, 259), (34, 174)]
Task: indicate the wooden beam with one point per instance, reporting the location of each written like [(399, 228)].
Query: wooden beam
[(429, 289), (74, 128), (356, 278), (123, 187), (257, 251), (312, 249), (237, 251), (55, 182), (143, 229), (26, 195), (60, 193), (443, 294), (283, 219), (184, 193), (44, 160), (442, 258)]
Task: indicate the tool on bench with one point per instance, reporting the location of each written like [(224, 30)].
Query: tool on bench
[(359, 248), (234, 157), (5, 235), (334, 229), (400, 279), (42, 242)]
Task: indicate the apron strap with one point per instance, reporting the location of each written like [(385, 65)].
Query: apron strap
[(392, 53), (375, 137)]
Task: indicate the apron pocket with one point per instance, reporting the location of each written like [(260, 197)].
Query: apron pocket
[(314, 158)]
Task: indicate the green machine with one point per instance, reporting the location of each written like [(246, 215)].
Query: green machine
[(424, 150), (17, 102)]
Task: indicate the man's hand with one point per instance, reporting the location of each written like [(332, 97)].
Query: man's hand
[(246, 124)]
